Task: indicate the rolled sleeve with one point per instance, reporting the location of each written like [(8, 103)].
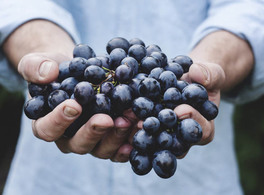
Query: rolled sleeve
[(246, 20), (14, 13)]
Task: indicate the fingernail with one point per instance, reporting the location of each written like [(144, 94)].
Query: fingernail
[(121, 132), (45, 68), (70, 112)]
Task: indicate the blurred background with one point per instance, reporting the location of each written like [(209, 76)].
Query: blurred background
[(249, 139)]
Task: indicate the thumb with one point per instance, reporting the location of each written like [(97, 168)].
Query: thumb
[(210, 75), (40, 67)]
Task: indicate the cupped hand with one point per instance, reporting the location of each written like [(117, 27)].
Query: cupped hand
[(99, 136)]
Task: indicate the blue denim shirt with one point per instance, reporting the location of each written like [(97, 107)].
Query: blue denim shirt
[(176, 26)]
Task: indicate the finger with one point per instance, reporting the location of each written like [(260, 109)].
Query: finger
[(53, 125), (40, 67), (210, 75), (122, 155), (114, 139), (88, 136), (184, 111)]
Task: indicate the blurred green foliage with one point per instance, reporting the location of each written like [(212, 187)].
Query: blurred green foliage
[(249, 142), (249, 139)]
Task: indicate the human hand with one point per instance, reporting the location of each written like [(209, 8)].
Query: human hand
[(99, 136)]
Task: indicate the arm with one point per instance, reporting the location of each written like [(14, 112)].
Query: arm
[(40, 41)]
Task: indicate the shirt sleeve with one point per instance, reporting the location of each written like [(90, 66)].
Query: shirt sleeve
[(14, 13), (244, 18)]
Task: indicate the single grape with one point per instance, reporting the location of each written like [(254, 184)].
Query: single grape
[(178, 147), (142, 107), (136, 41), (115, 57), (94, 74), (64, 71), (194, 94), (138, 52), (209, 110), (149, 88), (84, 93), (84, 51), (155, 73), (35, 89), (184, 61), (106, 88), (164, 140), (94, 61), (68, 85), (77, 67), (124, 73), (172, 97), (164, 164), (152, 48), (190, 131), (181, 85), (117, 42), (104, 60), (101, 104), (175, 68), (36, 107), (148, 63), (143, 141), (161, 57), (140, 163), (167, 79), (168, 118), (56, 97), (132, 62), (151, 125)]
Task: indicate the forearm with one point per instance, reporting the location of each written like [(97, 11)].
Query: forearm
[(233, 54), (37, 36)]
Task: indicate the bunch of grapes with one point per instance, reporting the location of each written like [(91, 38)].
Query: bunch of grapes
[(130, 75)]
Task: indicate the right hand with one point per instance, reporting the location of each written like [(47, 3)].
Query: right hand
[(99, 136)]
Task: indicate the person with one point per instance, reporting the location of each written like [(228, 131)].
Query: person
[(225, 40)]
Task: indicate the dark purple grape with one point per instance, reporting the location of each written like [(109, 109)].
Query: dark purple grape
[(140, 163), (149, 88), (124, 73), (77, 67), (68, 85), (121, 98), (164, 164), (94, 61), (134, 83), (132, 62), (184, 61), (141, 76), (36, 107), (35, 89), (104, 60), (136, 41), (181, 85), (64, 71), (148, 63), (172, 97), (94, 74), (106, 88), (101, 104), (84, 51), (117, 42), (168, 118), (151, 125), (56, 97), (115, 57), (84, 93), (143, 141), (152, 48), (178, 147), (194, 94), (167, 79), (53, 86), (175, 68), (161, 57), (142, 107), (164, 140), (209, 110), (157, 108), (190, 131), (138, 52), (155, 73)]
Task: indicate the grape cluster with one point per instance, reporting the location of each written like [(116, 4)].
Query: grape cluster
[(130, 75)]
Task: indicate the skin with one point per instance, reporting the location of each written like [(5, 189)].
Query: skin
[(221, 61)]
